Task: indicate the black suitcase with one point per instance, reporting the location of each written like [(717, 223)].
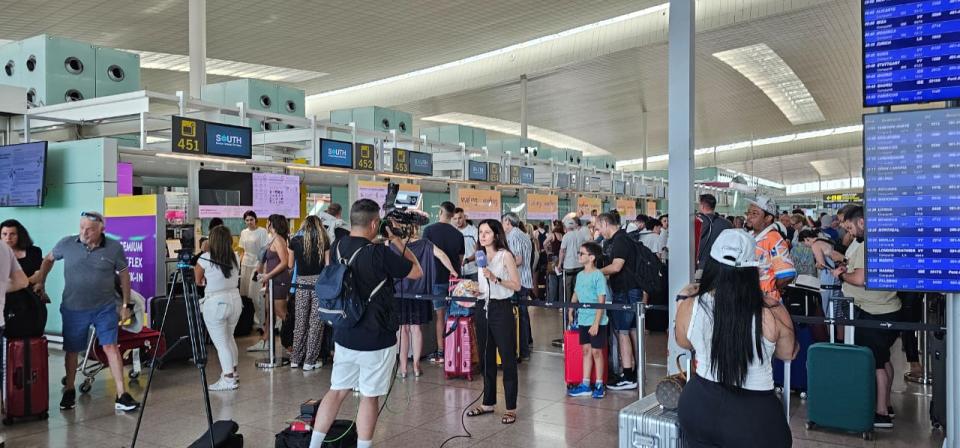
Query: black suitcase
[(937, 348), (245, 324), (174, 328), (25, 314)]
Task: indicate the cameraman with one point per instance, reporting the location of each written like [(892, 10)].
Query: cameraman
[(367, 352)]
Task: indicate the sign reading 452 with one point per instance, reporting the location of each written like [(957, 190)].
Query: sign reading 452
[(188, 136)]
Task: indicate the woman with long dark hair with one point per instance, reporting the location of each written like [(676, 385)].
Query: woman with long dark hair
[(735, 333), (311, 251), (218, 270), (276, 271), (29, 256), (496, 327)]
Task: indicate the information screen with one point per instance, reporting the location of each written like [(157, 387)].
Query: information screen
[(336, 153), (526, 175), (276, 194), (563, 181), (229, 141), (421, 163), (910, 51), (22, 172), (619, 187), (225, 194), (477, 170), (912, 200)]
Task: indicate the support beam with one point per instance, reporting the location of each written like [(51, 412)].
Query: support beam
[(523, 111), (197, 31), (680, 142)]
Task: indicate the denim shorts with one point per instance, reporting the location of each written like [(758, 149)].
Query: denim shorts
[(624, 321), (442, 289), (77, 323)]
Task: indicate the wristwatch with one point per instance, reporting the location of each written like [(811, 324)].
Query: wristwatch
[(497, 280)]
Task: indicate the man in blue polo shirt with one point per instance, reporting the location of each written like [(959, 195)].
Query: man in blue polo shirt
[(91, 264)]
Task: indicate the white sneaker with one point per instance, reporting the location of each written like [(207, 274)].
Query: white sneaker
[(260, 346), (309, 367), (294, 365), (224, 384)]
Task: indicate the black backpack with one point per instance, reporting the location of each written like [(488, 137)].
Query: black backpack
[(650, 271), (25, 314)]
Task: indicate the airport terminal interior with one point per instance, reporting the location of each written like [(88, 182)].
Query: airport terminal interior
[(630, 223)]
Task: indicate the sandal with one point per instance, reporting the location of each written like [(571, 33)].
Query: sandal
[(509, 418), (478, 411)]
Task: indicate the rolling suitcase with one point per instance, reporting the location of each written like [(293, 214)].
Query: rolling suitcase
[(841, 388), (645, 424), (174, 328), (26, 389), (937, 349), (460, 348), (573, 360), (798, 367), (245, 324)]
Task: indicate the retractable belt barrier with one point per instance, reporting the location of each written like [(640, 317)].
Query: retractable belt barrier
[(875, 324)]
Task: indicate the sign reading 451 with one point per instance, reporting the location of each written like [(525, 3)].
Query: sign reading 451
[(188, 135)]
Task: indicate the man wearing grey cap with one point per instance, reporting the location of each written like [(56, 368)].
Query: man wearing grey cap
[(92, 262)]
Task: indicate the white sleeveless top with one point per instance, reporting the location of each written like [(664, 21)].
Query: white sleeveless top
[(700, 334), (492, 290)]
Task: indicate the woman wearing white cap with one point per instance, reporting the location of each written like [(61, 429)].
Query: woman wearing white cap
[(730, 402)]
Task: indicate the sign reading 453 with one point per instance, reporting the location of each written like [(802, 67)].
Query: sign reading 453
[(188, 136)]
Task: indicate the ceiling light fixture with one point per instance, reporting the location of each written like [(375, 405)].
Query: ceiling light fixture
[(769, 72), (636, 163), (552, 138), (501, 51), (220, 67)]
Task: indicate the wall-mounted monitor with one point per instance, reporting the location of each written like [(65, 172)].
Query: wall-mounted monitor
[(619, 187), (228, 140), (563, 181), (527, 175), (477, 170), (912, 200), (22, 174), (421, 163), (225, 194), (336, 153), (910, 51), (276, 194)]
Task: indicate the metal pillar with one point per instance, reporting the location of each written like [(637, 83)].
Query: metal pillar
[(193, 192), (953, 368), (197, 29), (680, 141), (523, 111), (643, 138)]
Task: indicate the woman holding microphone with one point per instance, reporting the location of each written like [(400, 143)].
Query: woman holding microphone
[(496, 328)]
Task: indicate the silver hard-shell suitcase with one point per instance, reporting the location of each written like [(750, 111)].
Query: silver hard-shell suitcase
[(644, 424)]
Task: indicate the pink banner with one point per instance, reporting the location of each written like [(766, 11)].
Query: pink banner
[(124, 179)]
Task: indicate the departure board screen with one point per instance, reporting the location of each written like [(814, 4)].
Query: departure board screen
[(912, 200), (911, 51)]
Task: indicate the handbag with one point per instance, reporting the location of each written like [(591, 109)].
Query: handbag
[(670, 387)]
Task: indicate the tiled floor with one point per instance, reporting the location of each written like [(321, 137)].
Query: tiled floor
[(420, 412)]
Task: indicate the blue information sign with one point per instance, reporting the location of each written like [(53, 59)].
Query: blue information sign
[(912, 200), (421, 163), (229, 141), (911, 51), (526, 175), (336, 153), (477, 170)]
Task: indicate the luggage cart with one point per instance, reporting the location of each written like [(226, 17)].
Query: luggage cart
[(136, 350)]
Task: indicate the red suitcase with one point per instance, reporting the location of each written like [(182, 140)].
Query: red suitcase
[(459, 348), (27, 390), (573, 360)]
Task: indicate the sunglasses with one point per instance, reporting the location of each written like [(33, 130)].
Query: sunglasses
[(92, 216)]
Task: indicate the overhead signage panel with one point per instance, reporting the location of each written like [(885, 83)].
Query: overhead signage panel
[(364, 157), (477, 170), (336, 153)]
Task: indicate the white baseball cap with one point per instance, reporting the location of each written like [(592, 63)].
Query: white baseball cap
[(735, 247), (766, 204)]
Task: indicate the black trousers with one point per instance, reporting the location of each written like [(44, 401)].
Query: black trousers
[(911, 310), (714, 416), (496, 329), (526, 331)]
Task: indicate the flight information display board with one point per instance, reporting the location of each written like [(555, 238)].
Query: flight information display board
[(911, 51), (912, 200)]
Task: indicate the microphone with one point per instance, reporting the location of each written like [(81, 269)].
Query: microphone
[(481, 259)]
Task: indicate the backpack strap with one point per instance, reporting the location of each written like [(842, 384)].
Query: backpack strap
[(350, 263)]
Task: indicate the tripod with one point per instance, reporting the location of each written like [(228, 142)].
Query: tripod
[(196, 338)]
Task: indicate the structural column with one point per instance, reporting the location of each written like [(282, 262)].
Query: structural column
[(523, 111), (197, 31), (680, 142)]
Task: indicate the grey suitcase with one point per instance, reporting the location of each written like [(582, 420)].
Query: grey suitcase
[(644, 424)]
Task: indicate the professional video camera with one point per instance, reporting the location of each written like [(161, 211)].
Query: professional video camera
[(397, 209)]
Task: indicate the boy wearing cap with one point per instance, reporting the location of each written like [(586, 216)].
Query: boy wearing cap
[(773, 252)]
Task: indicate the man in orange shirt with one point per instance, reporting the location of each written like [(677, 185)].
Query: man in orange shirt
[(773, 251)]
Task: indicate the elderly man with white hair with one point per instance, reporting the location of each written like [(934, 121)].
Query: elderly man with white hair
[(570, 264)]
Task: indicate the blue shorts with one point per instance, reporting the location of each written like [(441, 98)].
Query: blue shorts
[(77, 323), (442, 289), (624, 321)]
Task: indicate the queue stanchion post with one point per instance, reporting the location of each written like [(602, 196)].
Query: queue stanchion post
[(641, 355), (270, 362)]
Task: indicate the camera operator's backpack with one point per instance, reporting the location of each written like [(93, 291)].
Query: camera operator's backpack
[(337, 296), (650, 271)]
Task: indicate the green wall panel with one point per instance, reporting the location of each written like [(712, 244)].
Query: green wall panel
[(340, 195), (76, 181)]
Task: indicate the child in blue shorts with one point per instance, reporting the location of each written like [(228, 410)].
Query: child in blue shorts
[(591, 287)]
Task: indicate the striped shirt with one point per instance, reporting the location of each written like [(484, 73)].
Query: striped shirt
[(522, 247)]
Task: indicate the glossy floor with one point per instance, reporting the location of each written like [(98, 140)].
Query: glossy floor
[(421, 412)]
